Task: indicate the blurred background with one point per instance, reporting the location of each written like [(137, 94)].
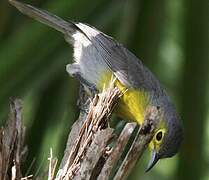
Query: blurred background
[(170, 37)]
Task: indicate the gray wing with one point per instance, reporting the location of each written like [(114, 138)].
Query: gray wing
[(125, 65)]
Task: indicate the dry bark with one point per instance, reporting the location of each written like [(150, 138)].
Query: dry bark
[(12, 149)]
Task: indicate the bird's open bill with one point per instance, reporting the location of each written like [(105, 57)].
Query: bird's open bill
[(154, 159)]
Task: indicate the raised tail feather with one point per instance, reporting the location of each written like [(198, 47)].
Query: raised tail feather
[(45, 17)]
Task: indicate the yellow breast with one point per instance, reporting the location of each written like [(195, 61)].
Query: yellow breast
[(132, 104)]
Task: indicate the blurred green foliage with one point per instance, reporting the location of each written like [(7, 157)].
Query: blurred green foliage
[(170, 37)]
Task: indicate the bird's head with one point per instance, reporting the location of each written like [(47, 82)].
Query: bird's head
[(168, 134)]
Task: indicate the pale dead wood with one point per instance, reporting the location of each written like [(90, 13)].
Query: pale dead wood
[(99, 112), (117, 151), (12, 147), (73, 135), (93, 154), (83, 104), (140, 143)]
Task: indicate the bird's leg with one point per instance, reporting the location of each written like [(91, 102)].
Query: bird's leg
[(87, 90), (152, 116), (83, 100), (147, 126)]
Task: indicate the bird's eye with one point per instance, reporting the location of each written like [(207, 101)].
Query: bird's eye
[(159, 136)]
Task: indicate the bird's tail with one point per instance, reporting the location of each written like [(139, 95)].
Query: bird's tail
[(45, 17), (89, 66)]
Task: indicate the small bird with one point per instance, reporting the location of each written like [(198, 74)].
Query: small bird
[(98, 58)]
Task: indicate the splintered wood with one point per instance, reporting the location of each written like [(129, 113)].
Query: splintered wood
[(93, 137)]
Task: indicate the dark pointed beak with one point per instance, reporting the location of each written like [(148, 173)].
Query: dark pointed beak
[(154, 159)]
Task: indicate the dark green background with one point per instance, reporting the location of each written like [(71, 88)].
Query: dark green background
[(170, 36)]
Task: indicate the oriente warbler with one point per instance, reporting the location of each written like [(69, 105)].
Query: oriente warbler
[(97, 58)]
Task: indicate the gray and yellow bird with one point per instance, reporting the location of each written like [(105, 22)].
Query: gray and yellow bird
[(97, 58)]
